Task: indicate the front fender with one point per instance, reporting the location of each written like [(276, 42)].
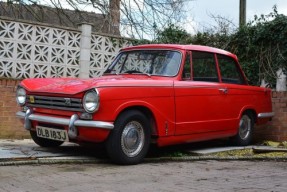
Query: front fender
[(162, 111)]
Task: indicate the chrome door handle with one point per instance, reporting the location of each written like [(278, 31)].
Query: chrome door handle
[(223, 90)]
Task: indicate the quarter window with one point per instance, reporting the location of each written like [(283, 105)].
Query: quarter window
[(230, 73)]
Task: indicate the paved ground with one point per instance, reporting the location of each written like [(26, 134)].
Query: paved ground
[(17, 151), (29, 168), (26, 150), (247, 176)]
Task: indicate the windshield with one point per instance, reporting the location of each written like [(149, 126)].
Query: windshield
[(151, 62)]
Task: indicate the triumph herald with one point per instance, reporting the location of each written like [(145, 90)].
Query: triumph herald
[(162, 94)]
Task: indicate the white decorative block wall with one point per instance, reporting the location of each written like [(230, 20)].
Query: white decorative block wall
[(30, 50), (103, 51)]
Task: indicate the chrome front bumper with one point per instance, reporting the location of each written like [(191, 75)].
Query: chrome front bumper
[(72, 123)]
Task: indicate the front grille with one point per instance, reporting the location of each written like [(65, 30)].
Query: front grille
[(62, 103)]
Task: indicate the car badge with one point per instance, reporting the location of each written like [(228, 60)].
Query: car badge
[(32, 99), (67, 101)]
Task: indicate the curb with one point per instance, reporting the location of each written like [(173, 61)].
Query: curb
[(147, 160), (50, 161), (207, 158)]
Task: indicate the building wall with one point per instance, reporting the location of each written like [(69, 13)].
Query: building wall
[(275, 130), (62, 17), (10, 126)]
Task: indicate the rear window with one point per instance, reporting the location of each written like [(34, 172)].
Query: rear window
[(229, 70)]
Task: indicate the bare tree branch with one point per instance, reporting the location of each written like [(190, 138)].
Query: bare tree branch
[(137, 18)]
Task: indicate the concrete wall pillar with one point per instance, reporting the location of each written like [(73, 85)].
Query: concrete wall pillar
[(281, 81), (85, 52)]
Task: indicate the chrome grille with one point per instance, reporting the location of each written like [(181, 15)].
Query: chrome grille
[(62, 103)]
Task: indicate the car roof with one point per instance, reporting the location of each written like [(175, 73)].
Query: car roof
[(181, 47)]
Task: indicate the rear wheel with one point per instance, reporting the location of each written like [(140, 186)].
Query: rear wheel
[(245, 130), (129, 142), (44, 142)]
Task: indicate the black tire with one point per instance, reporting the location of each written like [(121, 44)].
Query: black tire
[(245, 130), (129, 141), (44, 142)]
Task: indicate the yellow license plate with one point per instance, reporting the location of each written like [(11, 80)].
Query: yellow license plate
[(50, 133)]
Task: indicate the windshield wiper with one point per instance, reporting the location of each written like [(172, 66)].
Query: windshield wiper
[(137, 72)]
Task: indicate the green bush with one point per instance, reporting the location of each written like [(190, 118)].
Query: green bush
[(173, 34), (261, 45)]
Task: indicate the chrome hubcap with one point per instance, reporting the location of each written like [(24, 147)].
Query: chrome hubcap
[(132, 140), (244, 127)]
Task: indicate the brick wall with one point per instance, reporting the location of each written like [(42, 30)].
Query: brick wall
[(275, 130), (10, 126)]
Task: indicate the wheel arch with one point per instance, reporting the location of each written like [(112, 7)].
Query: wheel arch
[(244, 133), (147, 112), (251, 111)]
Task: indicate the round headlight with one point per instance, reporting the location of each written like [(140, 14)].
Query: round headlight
[(91, 101), (21, 96)]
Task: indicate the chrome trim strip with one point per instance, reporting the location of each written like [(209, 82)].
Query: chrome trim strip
[(266, 115), (55, 107), (63, 121), (96, 124)]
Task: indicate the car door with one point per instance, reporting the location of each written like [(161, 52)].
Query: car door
[(200, 98), (238, 93)]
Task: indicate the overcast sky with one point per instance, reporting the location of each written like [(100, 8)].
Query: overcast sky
[(200, 10)]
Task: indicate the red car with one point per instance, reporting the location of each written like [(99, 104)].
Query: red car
[(165, 94)]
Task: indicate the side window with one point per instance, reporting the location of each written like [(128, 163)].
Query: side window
[(230, 72), (204, 67), (187, 68)]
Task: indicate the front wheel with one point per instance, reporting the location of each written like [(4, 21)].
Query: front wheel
[(44, 142), (245, 130), (129, 142)]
